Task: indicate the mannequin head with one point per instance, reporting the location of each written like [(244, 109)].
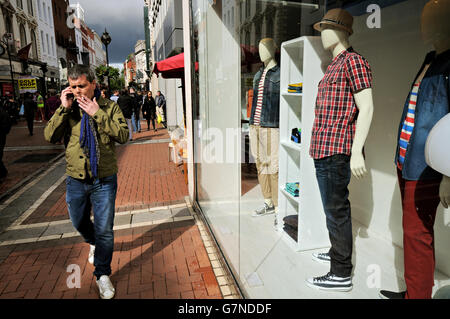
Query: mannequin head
[(267, 50), (332, 36), (435, 24)]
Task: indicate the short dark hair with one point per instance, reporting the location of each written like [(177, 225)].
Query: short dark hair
[(79, 70)]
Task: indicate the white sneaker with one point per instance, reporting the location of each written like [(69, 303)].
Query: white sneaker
[(91, 254), (264, 210), (323, 258), (330, 282), (105, 287)]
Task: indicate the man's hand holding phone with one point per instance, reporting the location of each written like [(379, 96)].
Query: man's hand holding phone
[(67, 97)]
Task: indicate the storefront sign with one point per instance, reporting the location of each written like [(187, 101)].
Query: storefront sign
[(27, 84), (7, 89)]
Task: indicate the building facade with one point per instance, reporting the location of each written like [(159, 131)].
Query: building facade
[(141, 64), (65, 39), (166, 40), (19, 19), (77, 12), (129, 70), (46, 29), (99, 52)]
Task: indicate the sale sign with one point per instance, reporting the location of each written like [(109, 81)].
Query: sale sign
[(27, 84)]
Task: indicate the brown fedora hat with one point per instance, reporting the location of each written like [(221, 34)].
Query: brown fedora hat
[(338, 18)]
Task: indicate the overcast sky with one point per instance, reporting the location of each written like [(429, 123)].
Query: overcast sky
[(124, 21)]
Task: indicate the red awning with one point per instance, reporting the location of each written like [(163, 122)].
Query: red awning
[(172, 67)]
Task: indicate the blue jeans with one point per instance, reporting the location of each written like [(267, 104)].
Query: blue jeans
[(130, 129), (100, 195), (333, 176), (136, 122)]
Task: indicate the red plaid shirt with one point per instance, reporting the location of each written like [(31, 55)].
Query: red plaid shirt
[(335, 114)]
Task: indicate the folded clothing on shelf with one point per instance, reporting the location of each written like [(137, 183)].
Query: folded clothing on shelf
[(296, 135), (292, 188), (291, 231), (291, 220), (295, 88)]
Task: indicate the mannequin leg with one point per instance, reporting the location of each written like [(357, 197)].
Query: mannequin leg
[(265, 182), (274, 188), (420, 200), (333, 176)]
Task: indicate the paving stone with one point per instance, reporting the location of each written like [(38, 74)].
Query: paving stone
[(59, 229), (181, 212), (22, 233), (161, 214), (122, 220), (141, 218), (151, 216)]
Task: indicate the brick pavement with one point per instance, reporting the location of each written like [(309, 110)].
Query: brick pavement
[(19, 138), (167, 261), (162, 260)]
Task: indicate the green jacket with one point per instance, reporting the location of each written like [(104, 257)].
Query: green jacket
[(111, 128)]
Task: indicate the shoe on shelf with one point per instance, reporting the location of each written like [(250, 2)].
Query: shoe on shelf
[(386, 294), (265, 210), (323, 258), (330, 282), (105, 287), (91, 254)]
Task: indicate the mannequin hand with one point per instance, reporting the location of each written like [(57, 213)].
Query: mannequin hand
[(357, 165), (444, 191)]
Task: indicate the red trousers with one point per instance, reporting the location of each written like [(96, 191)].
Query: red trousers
[(420, 200)]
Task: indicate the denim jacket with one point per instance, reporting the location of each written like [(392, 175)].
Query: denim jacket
[(432, 104), (270, 110)]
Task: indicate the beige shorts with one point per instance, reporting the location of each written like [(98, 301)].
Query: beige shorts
[(264, 146)]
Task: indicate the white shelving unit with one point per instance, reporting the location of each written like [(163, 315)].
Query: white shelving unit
[(302, 60)]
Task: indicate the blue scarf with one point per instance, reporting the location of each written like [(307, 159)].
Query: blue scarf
[(89, 142)]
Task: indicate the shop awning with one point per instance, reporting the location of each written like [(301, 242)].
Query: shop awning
[(172, 67)]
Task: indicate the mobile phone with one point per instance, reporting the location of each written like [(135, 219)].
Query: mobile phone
[(70, 96)]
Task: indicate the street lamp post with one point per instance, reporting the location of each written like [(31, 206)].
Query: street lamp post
[(106, 39), (5, 41)]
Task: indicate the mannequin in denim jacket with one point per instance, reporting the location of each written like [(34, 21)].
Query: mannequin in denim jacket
[(435, 30)]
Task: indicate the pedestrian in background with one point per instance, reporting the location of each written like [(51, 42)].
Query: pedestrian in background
[(126, 105), (5, 127), (115, 96), (53, 103), (30, 107), (161, 107), (40, 105), (135, 117), (149, 110), (95, 124)]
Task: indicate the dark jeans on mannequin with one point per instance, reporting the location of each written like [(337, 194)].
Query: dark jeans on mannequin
[(333, 176)]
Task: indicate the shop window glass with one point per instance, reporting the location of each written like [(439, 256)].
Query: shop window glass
[(276, 50)]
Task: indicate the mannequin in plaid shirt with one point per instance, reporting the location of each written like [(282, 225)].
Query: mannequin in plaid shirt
[(343, 115)]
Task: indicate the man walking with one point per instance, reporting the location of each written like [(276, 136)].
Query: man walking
[(161, 107), (95, 124), (137, 103), (115, 96), (40, 105), (29, 110)]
